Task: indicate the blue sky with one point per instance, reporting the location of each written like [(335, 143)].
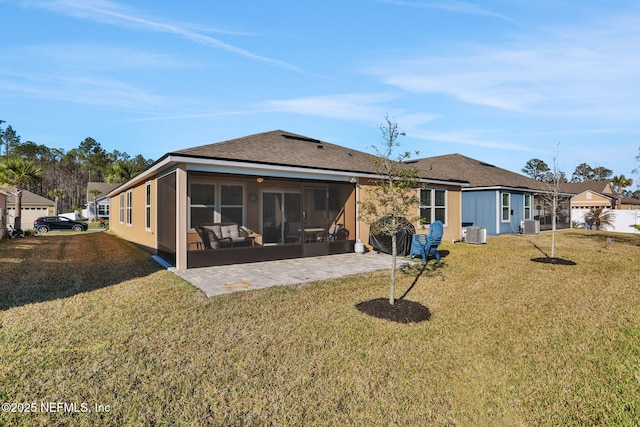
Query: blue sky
[(502, 81)]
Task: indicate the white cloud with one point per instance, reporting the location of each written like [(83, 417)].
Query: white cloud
[(582, 73), (114, 14), (448, 6), (344, 106)]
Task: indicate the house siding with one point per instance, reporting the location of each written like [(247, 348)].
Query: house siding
[(136, 232), (453, 226), (484, 209), (481, 209)]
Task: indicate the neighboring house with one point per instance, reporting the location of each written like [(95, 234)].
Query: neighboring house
[(496, 199), (600, 194), (597, 194), (33, 207), (102, 200), (287, 190)]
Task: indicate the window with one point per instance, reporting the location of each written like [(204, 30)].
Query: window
[(506, 207), (203, 203), (147, 206), (528, 203), (433, 205), (103, 210), (121, 208), (231, 203), (129, 207)]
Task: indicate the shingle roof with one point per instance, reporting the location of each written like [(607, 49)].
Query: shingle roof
[(104, 188), (28, 198), (287, 149), (476, 172), (580, 187), (279, 147)]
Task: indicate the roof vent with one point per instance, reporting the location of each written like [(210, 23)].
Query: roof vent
[(320, 147), (301, 138), (487, 164)]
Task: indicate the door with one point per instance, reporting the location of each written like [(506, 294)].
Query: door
[(315, 216), (281, 218)]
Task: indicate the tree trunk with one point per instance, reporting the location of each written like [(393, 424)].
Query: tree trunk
[(394, 256), (17, 220), (553, 225)]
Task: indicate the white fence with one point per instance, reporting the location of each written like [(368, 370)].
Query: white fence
[(623, 222)]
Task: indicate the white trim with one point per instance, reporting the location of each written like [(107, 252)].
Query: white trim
[(502, 206), (148, 207), (254, 169)]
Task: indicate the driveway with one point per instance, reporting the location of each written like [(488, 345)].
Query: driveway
[(243, 277)]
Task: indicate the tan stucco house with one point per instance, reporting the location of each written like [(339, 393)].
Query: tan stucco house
[(287, 192)]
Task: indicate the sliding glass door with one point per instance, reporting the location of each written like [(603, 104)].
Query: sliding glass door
[(316, 219), (281, 218)]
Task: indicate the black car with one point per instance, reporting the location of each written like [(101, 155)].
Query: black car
[(45, 224)]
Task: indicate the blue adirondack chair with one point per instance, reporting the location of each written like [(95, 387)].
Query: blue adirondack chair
[(425, 244)]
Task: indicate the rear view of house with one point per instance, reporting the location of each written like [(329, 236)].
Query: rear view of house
[(268, 196)]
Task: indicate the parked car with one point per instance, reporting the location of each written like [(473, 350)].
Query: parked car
[(44, 224)]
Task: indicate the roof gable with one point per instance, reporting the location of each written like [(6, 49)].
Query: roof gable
[(28, 198), (283, 148), (286, 149), (601, 187), (476, 172), (103, 187)]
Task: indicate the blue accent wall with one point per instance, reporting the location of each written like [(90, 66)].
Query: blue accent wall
[(484, 209), (479, 207)]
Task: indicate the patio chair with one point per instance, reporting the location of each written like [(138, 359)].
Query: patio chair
[(335, 232), (224, 235), (425, 244)]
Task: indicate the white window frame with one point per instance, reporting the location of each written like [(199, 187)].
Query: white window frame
[(217, 202), (529, 208), (129, 215), (121, 208), (199, 205), (505, 207), (433, 206), (147, 206)]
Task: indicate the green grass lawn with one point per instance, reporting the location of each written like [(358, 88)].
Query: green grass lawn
[(89, 319)]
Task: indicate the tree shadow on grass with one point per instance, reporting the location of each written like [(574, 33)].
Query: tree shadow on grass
[(403, 311), (546, 259), (38, 269)]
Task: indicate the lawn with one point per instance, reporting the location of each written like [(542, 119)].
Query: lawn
[(90, 327)]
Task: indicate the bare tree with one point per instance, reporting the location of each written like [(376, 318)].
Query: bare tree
[(394, 193), (553, 198)]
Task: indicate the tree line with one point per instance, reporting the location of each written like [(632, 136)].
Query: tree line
[(539, 170), (62, 175)]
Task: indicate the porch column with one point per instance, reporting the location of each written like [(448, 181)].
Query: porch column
[(181, 219)]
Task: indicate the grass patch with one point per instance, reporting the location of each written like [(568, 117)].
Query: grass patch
[(90, 319)]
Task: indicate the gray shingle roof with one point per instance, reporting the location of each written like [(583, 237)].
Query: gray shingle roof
[(104, 188), (580, 187), (279, 147), (476, 172), (28, 198), (287, 149)]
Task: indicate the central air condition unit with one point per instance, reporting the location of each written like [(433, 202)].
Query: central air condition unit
[(476, 235), (531, 227)]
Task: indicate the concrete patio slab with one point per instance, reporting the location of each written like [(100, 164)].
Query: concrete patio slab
[(243, 277)]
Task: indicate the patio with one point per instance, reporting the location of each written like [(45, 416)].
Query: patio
[(219, 280)]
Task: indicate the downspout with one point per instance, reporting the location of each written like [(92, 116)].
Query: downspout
[(181, 219), (358, 210), (498, 211)]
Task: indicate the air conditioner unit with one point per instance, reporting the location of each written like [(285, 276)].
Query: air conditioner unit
[(531, 226), (476, 235)]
